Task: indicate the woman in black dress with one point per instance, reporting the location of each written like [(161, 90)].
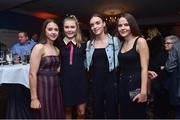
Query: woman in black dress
[(133, 60), (101, 59), (72, 71), (44, 81)]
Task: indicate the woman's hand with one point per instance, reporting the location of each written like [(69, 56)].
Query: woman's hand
[(152, 75), (140, 98), (35, 104), (58, 69)]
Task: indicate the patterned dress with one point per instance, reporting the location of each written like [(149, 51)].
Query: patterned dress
[(48, 89)]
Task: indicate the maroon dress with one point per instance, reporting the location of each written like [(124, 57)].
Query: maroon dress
[(48, 89)]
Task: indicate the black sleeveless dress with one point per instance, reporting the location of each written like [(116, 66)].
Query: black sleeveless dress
[(130, 79), (104, 105), (48, 89)]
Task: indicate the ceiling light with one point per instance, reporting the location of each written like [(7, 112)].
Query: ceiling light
[(112, 12), (44, 15)]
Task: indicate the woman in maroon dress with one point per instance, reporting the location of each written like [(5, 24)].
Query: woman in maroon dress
[(44, 81)]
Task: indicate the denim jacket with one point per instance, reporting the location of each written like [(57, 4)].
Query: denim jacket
[(109, 52)]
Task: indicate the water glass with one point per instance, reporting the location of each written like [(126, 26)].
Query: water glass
[(9, 57), (1, 57)]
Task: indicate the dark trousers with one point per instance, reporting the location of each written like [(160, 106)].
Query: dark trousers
[(161, 105)]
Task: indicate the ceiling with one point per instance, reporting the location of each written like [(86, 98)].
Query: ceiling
[(149, 10)]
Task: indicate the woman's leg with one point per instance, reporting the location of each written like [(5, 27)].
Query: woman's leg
[(68, 112), (81, 109)]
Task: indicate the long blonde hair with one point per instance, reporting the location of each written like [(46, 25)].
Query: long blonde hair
[(152, 32), (78, 37)]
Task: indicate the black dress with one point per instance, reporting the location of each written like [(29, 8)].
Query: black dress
[(73, 76), (130, 79), (102, 86)]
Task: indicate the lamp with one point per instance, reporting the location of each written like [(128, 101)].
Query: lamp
[(112, 15)]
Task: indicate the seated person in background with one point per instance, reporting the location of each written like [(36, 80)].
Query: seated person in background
[(3, 46), (24, 46), (34, 38)]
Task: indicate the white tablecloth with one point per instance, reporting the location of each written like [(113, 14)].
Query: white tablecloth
[(15, 74)]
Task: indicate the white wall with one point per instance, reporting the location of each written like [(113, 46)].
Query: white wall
[(8, 37)]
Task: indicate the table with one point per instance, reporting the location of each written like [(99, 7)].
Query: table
[(14, 80), (15, 74)]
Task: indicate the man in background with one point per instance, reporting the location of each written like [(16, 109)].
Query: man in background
[(24, 46), (34, 39)]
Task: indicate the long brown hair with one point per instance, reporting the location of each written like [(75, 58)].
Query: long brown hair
[(132, 23), (103, 19), (43, 37), (78, 37)]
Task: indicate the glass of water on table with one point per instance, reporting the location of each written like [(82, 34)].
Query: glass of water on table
[(9, 57), (1, 57)]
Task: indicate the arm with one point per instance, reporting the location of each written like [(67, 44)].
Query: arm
[(35, 58), (143, 51)]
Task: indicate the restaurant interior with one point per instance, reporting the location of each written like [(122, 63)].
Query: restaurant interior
[(28, 16)]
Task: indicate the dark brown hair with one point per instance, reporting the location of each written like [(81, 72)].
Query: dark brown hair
[(132, 23), (24, 33), (103, 19), (43, 37)]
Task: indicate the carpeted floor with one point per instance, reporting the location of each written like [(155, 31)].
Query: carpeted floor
[(89, 112)]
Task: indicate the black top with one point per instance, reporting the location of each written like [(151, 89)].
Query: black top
[(130, 66), (155, 45), (100, 61)]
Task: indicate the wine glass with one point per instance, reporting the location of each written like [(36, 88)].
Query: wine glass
[(1, 57), (16, 58), (9, 57)]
